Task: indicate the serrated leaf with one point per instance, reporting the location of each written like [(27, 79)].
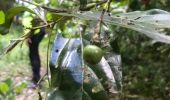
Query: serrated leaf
[(149, 22)]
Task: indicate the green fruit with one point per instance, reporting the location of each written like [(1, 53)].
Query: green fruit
[(92, 54)]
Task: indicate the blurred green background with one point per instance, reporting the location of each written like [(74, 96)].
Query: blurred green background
[(146, 65)]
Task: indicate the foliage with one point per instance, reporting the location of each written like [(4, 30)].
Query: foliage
[(145, 63), (7, 91), (77, 24)]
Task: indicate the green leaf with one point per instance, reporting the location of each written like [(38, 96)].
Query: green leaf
[(93, 87), (53, 17), (16, 10), (20, 87), (151, 22), (4, 88), (4, 29), (8, 82), (2, 17), (104, 72)]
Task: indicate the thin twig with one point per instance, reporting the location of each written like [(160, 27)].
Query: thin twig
[(59, 10), (48, 51), (38, 86), (108, 5), (38, 83), (38, 27), (14, 43), (48, 59), (82, 56), (97, 31)]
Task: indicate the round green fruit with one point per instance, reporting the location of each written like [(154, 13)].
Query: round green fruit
[(92, 54)]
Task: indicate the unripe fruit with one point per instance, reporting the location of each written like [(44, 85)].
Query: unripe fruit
[(92, 54)]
